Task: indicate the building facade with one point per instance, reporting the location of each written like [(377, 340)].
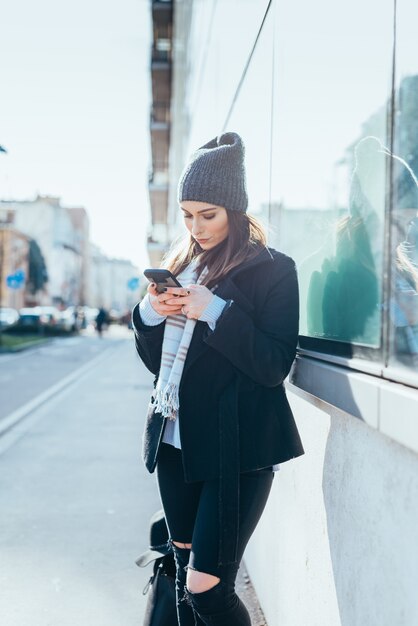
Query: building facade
[(109, 281), (14, 257), (46, 221), (327, 109), (78, 272), (160, 126), (81, 226)]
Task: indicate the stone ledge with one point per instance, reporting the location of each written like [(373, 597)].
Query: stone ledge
[(246, 592)]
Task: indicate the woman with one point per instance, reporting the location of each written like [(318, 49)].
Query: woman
[(220, 347)]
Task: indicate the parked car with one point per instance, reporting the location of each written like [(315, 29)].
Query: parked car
[(8, 317), (30, 318), (45, 318), (71, 319), (50, 315)]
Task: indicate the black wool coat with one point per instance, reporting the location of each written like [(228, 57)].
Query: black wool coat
[(234, 415)]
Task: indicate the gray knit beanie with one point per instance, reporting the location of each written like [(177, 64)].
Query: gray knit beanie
[(216, 174)]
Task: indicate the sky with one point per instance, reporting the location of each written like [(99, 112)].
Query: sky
[(74, 112)]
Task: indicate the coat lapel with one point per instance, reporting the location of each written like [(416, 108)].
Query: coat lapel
[(227, 290)]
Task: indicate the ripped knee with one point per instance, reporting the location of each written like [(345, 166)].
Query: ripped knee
[(180, 544), (197, 582)]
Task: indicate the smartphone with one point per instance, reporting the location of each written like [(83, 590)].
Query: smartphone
[(161, 278)]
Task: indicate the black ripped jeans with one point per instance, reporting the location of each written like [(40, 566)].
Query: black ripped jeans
[(191, 511)]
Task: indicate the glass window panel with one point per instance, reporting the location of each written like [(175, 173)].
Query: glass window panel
[(332, 85), (220, 44), (403, 310), (251, 118), (211, 49)]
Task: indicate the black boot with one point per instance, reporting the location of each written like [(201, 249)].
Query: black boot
[(219, 606)]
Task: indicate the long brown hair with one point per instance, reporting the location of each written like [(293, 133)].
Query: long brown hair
[(246, 237)]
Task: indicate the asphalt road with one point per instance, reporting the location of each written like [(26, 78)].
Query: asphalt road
[(26, 374), (75, 499)]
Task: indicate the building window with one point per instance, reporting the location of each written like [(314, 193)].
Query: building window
[(330, 173), (403, 298)]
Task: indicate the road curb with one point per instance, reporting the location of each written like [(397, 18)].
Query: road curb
[(25, 346)]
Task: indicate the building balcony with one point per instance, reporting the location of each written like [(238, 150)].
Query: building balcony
[(156, 251), (159, 179), (158, 195), (162, 12), (161, 56), (159, 115), (160, 144), (161, 81), (157, 244)]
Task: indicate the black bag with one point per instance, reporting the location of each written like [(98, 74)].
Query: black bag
[(161, 603)]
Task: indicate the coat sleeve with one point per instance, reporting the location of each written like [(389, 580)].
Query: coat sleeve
[(148, 341), (263, 348)]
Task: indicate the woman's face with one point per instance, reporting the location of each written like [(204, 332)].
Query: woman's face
[(207, 223)]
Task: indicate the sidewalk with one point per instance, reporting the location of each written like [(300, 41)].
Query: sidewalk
[(76, 503)]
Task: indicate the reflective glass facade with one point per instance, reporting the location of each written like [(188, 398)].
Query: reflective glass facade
[(329, 117), (403, 298), (329, 184)]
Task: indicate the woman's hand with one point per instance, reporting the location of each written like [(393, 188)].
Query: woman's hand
[(192, 299), (159, 302)]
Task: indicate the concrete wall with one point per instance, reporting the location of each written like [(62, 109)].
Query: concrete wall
[(341, 527)]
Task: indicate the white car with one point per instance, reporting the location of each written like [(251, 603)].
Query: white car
[(50, 315), (68, 319), (8, 316)]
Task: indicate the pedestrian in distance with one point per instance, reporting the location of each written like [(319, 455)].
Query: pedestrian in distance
[(220, 346), (101, 319)]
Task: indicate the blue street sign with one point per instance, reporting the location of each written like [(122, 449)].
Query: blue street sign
[(133, 283), (16, 280)]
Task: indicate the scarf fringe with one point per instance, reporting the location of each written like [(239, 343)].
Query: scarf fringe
[(167, 388), (167, 401)]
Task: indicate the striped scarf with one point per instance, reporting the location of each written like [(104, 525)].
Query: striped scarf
[(178, 333)]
